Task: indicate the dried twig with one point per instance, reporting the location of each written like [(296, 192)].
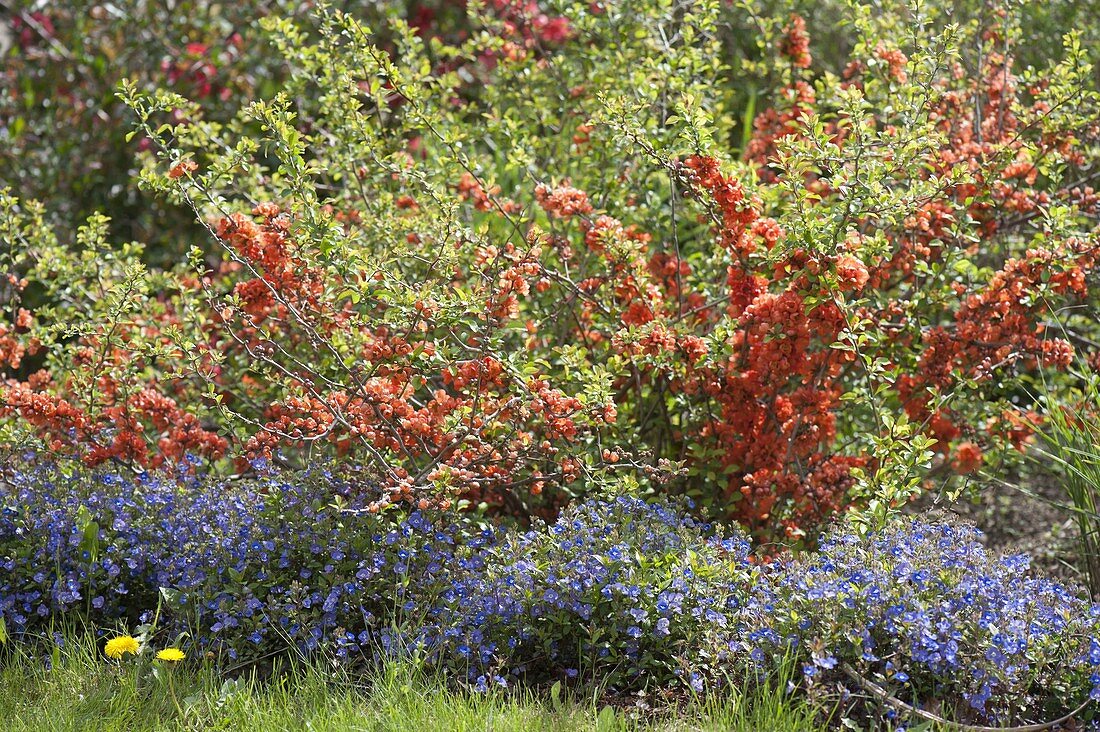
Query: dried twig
[(882, 695)]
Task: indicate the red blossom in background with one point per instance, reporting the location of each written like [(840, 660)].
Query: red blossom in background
[(795, 43)]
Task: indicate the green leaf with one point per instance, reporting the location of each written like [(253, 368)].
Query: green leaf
[(89, 529), (606, 719), (171, 597)]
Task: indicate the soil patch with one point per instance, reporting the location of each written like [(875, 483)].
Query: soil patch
[(1020, 515)]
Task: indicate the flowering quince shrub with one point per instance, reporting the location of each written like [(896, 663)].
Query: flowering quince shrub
[(519, 264), (860, 289), (634, 595), (129, 389), (88, 375)]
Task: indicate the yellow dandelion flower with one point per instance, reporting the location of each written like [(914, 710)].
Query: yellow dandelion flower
[(171, 654), (118, 647)]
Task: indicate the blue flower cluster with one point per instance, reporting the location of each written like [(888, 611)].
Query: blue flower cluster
[(929, 613), (245, 567), (615, 591), (619, 591)]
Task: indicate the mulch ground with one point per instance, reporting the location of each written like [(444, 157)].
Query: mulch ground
[(1015, 522)]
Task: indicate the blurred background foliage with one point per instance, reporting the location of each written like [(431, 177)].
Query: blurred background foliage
[(63, 129)]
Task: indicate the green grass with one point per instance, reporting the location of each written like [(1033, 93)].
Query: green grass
[(1068, 446), (84, 691)]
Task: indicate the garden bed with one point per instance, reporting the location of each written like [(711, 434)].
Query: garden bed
[(574, 362)]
